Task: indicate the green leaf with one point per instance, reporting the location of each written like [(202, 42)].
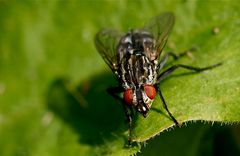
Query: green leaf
[(53, 82)]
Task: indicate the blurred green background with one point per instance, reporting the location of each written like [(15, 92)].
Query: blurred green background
[(53, 81)]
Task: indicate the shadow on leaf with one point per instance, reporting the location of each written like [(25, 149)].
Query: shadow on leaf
[(88, 109)]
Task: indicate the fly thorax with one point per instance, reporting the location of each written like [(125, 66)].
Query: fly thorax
[(137, 69), (134, 54)]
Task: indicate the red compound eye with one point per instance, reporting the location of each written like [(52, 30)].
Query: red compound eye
[(150, 91), (128, 96)]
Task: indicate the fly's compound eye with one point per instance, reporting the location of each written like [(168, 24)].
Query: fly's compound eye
[(150, 91), (128, 96)]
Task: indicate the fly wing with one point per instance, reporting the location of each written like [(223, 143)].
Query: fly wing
[(160, 27), (106, 42)]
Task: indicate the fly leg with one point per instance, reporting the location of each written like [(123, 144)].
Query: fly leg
[(129, 112), (175, 56), (127, 109), (176, 66), (184, 53), (166, 108)]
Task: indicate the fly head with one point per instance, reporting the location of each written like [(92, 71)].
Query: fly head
[(140, 98)]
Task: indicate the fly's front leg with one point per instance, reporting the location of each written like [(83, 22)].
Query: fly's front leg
[(166, 108), (129, 112), (114, 92)]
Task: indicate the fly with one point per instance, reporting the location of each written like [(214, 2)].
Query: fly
[(134, 57)]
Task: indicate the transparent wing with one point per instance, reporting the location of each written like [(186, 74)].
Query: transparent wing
[(160, 27), (106, 42)]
